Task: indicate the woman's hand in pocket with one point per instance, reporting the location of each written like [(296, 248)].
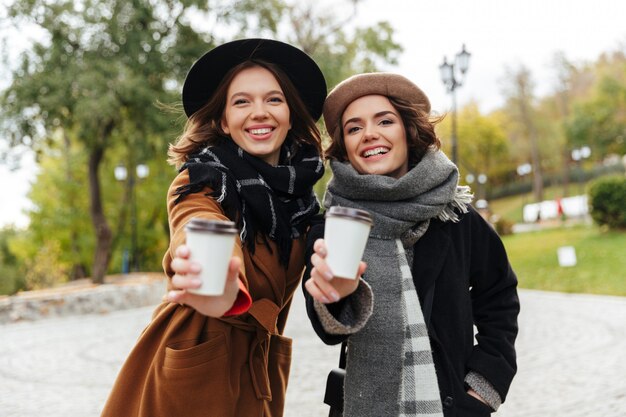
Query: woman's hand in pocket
[(475, 395)]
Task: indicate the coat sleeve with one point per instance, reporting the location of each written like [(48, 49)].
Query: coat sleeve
[(179, 214), (335, 322), (495, 305), (316, 232)]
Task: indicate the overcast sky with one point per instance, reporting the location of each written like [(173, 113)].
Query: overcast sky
[(498, 34)]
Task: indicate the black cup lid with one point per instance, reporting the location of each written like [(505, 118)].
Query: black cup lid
[(353, 213), (214, 226)]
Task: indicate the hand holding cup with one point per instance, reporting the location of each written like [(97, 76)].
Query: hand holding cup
[(322, 285), (346, 233), (186, 278), (206, 271), (337, 258)]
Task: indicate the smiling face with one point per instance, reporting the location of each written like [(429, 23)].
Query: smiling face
[(375, 137), (256, 115)]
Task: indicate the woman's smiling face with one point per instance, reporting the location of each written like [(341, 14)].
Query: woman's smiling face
[(375, 137), (256, 115)]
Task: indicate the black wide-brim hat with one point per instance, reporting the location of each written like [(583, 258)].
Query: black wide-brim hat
[(207, 72)]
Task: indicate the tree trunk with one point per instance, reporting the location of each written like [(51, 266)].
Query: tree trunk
[(78, 269), (104, 236), (566, 177), (566, 73), (535, 156), (523, 96), (537, 171)]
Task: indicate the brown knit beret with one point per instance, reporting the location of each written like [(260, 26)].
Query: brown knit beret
[(379, 83)]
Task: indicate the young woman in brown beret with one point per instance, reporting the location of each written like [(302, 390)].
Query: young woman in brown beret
[(250, 153), (435, 268)]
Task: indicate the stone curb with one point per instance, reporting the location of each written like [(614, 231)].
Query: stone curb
[(118, 293)]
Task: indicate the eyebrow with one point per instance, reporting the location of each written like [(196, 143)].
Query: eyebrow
[(379, 114), (269, 93)]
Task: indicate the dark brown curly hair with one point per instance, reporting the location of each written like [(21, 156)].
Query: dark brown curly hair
[(419, 126)]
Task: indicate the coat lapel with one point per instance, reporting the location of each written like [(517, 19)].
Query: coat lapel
[(429, 254)]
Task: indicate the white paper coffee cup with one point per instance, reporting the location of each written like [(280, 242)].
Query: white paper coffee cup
[(211, 244), (345, 234)]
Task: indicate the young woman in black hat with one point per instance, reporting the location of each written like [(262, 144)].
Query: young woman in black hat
[(250, 153), (435, 268)]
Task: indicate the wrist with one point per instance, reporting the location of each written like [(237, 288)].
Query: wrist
[(242, 302)]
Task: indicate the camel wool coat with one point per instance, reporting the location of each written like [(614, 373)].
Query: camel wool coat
[(186, 364)]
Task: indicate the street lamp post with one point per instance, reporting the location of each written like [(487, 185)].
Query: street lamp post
[(121, 174), (482, 180), (578, 155), (452, 75), (523, 170)]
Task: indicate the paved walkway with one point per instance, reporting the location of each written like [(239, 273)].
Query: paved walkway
[(572, 360)]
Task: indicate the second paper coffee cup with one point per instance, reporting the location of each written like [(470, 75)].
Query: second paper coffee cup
[(345, 234), (211, 244)]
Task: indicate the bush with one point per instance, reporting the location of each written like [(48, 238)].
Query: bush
[(607, 200), (503, 226), (11, 279), (45, 270), (11, 269)]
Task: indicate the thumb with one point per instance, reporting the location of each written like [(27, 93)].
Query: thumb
[(233, 268), (362, 268)]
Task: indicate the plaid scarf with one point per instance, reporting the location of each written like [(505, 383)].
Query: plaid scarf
[(273, 202), (390, 369), (419, 396)]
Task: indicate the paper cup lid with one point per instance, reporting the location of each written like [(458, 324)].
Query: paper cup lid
[(348, 212), (212, 226)]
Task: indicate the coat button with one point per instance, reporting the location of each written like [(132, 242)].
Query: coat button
[(448, 402)]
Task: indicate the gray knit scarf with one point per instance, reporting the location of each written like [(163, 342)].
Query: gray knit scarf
[(390, 370)]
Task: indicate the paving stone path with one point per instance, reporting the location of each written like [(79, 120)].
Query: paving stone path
[(572, 360)]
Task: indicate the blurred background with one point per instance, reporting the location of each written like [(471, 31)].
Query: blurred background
[(533, 93)]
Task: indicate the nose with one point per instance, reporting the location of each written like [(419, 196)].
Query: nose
[(370, 132), (259, 111)]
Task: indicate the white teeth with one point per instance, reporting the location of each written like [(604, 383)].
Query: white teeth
[(260, 131), (375, 151)]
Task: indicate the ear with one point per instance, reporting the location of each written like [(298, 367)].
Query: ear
[(224, 126)]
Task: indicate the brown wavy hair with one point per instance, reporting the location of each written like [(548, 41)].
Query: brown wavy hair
[(418, 124), (204, 127)]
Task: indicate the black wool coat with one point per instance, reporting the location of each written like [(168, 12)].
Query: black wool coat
[(463, 279)]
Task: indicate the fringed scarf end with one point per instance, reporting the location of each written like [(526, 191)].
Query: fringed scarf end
[(462, 198), (222, 195)]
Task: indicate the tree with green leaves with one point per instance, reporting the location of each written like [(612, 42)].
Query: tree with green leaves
[(97, 75), (599, 120), (11, 267), (484, 147), (521, 108), (101, 66)]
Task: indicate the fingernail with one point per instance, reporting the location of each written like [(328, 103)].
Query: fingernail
[(170, 295), (322, 252), (325, 300), (334, 296), (196, 281), (328, 275), (195, 268)]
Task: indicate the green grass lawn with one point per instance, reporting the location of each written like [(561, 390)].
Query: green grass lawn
[(511, 207), (601, 256)]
